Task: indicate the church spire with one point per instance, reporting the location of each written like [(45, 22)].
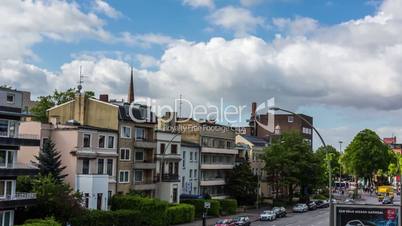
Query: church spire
[(131, 88)]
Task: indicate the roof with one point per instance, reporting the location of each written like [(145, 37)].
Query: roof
[(124, 115), (255, 140)]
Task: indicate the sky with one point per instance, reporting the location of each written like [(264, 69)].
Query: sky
[(337, 60)]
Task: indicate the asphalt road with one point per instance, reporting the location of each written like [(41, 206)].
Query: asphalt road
[(319, 217)]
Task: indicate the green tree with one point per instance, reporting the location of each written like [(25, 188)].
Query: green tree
[(290, 163), (334, 157), (366, 156), (58, 97), (49, 162), (242, 184), (24, 184)]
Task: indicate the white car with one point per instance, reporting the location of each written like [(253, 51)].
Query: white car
[(300, 208), (268, 215)]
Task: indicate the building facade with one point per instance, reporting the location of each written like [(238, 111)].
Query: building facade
[(11, 141), (190, 168)]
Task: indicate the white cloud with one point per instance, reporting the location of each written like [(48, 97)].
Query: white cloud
[(249, 3), (237, 19), (298, 26), (146, 40), (25, 23), (103, 7), (199, 3), (147, 61)]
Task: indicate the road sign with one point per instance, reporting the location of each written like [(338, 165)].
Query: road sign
[(207, 205), (367, 215)]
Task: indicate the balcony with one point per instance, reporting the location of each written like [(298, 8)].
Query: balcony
[(218, 165), (147, 184), (20, 140), (147, 144), (170, 178), (144, 165), (175, 157), (212, 181), (16, 169), (18, 199), (219, 151)]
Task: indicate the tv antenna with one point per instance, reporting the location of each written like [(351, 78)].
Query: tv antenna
[(81, 81)]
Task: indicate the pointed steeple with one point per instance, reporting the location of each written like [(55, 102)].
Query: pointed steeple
[(130, 98)]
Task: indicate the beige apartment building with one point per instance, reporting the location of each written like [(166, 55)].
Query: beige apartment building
[(85, 132)]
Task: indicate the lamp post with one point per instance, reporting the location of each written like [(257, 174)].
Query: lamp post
[(331, 206), (340, 167)]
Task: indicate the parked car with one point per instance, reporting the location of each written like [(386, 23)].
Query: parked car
[(311, 205), (242, 220), (349, 201), (268, 215), (387, 200), (279, 211), (300, 208), (322, 203), (225, 222)]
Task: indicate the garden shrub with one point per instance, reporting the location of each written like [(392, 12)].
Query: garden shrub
[(199, 206), (41, 222), (108, 218), (228, 206), (181, 213)]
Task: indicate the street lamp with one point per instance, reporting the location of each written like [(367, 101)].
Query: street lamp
[(340, 167), (331, 206)]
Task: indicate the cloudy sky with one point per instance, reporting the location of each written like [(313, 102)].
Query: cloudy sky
[(339, 61)]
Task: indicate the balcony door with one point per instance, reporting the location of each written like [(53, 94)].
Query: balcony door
[(6, 158), (99, 201), (6, 189)]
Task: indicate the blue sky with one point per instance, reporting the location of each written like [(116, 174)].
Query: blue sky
[(338, 61)]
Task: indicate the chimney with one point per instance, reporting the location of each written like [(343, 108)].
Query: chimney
[(253, 109), (130, 98), (104, 97)]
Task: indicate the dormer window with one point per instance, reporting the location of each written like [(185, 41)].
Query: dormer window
[(10, 98)]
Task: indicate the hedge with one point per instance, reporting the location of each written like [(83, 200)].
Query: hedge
[(181, 213), (153, 210), (199, 206), (108, 218), (41, 222), (228, 206)]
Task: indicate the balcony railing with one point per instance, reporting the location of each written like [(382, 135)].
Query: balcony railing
[(19, 196), (20, 139), (170, 177)]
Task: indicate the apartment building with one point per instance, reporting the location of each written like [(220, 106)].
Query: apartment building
[(218, 153), (11, 141), (168, 155), (283, 123), (190, 168), (252, 149), (137, 150), (84, 131)]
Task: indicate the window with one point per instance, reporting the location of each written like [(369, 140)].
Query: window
[(139, 133), (195, 156), (124, 154), (228, 144), (110, 143), (173, 149), (291, 119), (184, 159), (87, 140), (138, 175), (126, 132), (139, 155), (191, 156), (195, 174), (306, 130), (162, 147), (123, 176), (10, 98), (86, 200), (100, 166), (3, 128), (182, 182), (6, 158), (85, 166), (102, 141), (191, 173), (6, 188), (109, 167)]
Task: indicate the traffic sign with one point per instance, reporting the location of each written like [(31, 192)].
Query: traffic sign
[(207, 205)]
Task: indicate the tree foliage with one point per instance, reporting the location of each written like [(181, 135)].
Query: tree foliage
[(58, 97), (333, 157), (49, 162), (242, 184), (290, 163), (367, 155)]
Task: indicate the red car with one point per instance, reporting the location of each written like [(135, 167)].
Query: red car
[(225, 222)]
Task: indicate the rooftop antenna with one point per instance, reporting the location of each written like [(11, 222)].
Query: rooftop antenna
[(180, 106), (81, 81)]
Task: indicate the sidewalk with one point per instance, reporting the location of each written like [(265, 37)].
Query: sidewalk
[(253, 214)]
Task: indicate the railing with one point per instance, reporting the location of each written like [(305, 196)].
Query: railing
[(19, 196), (18, 166), (20, 136), (212, 178), (170, 177)]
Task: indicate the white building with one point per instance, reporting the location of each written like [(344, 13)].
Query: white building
[(190, 168)]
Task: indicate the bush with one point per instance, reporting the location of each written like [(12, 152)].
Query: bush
[(319, 196), (228, 206), (153, 210), (181, 213), (41, 222), (107, 218), (199, 206)]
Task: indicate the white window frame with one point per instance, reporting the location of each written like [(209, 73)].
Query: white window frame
[(122, 132), (142, 176), (10, 102), (291, 119), (135, 155), (129, 154), (11, 217), (114, 141), (6, 160), (13, 185), (103, 166), (8, 127), (144, 136), (105, 142), (125, 180), (90, 140)]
